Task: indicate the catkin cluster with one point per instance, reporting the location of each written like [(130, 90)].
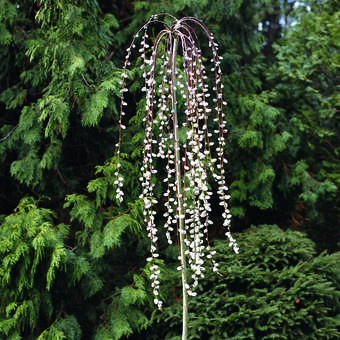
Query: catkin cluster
[(171, 75)]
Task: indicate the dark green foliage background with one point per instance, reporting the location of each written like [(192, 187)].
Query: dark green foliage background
[(73, 259), (275, 289)]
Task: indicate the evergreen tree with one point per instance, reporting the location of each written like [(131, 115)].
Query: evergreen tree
[(305, 83), (58, 81), (275, 289), (61, 272)]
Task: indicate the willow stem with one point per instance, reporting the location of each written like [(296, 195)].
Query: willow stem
[(179, 193)]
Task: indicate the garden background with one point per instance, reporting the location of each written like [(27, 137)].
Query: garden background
[(73, 259)]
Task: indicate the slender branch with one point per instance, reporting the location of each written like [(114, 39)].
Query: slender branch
[(9, 133), (61, 176)]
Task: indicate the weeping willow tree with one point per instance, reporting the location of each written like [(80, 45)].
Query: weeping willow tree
[(169, 79)]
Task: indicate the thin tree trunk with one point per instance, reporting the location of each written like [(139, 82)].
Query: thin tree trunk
[(179, 191)]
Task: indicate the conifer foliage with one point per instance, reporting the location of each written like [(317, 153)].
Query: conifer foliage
[(58, 86), (32, 252), (58, 78), (275, 289), (309, 74)]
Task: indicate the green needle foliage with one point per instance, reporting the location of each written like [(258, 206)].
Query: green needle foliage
[(32, 253), (61, 76), (307, 72), (275, 289), (46, 283)]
